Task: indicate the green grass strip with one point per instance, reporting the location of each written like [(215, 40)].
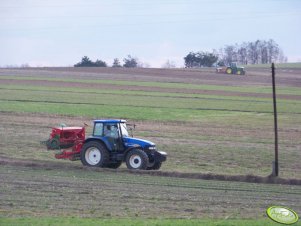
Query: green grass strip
[(79, 91), (189, 86), (127, 112), (146, 102), (71, 221)]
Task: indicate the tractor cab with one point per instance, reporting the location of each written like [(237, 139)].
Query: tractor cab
[(233, 64), (114, 134), (111, 132)]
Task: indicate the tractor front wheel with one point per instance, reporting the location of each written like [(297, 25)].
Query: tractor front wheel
[(156, 166), (137, 159), (94, 154)]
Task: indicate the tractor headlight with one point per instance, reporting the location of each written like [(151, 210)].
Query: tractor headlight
[(152, 148)]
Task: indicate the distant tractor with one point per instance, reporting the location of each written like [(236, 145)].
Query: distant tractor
[(231, 69), (107, 147)]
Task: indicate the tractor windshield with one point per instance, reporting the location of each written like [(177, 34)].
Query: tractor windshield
[(124, 130)]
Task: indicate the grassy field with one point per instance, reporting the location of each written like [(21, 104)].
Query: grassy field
[(139, 105), (204, 123), (131, 222), (69, 191)]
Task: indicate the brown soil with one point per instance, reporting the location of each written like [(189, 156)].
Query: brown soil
[(204, 76)]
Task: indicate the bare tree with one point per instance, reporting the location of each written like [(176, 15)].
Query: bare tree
[(253, 52), (242, 53), (169, 64), (281, 57), (230, 54), (263, 52), (274, 50), (260, 51)]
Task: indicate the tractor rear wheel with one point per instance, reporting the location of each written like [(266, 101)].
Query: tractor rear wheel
[(94, 154), (229, 70), (137, 159)]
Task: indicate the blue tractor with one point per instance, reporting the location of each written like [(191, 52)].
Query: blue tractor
[(110, 144)]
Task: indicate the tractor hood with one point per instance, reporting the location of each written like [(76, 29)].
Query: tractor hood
[(130, 141)]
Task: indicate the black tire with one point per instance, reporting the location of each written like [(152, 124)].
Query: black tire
[(137, 159), (94, 154), (114, 165), (53, 144), (156, 166)]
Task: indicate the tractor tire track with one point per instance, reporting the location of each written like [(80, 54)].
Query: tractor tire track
[(46, 165)]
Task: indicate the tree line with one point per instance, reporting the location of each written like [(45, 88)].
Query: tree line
[(128, 62), (257, 52)]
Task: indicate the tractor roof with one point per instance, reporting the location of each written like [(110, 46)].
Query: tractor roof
[(110, 121)]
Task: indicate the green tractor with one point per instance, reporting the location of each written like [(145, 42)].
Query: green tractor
[(232, 69)]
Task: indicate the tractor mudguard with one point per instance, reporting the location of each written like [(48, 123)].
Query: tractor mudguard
[(99, 139), (158, 156), (131, 148)]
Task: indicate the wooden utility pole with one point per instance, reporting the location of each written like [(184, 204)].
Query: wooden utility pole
[(275, 163)]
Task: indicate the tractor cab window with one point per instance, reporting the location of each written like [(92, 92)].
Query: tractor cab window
[(98, 129), (124, 130), (112, 134), (233, 64), (111, 130)]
